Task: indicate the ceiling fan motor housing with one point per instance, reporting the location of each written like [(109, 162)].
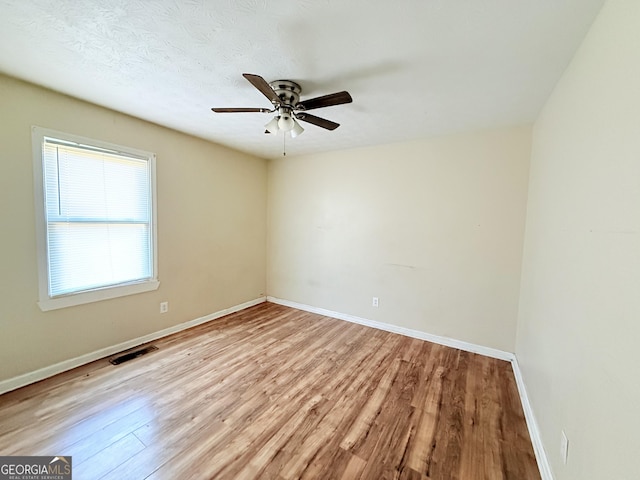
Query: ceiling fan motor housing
[(288, 92)]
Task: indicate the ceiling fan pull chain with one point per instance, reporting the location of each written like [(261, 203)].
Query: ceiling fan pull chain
[(284, 144)]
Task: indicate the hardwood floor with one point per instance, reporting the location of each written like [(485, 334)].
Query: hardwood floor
[(276, 393)]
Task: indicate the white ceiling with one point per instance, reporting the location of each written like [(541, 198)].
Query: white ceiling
[(415, 68)]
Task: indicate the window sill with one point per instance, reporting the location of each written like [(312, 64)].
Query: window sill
[(97, 295)]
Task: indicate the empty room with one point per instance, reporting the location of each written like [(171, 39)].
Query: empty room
[(267, 239)]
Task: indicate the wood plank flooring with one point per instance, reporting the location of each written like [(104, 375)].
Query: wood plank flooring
[(276, 393)]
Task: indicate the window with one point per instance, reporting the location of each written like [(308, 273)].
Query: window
[(95, 214)]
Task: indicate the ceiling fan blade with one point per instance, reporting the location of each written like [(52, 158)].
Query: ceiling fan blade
[(241, 110), (320, 122), (262, 85), (325, 101)]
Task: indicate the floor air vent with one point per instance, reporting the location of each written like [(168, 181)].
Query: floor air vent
[(125, 357)]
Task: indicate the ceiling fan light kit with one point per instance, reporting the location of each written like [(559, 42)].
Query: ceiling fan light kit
[(284, 95)]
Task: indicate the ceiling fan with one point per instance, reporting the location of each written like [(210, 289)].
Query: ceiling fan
[(284, 95)]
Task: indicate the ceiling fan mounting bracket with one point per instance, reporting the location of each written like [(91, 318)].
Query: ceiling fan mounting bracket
[(287, 91)]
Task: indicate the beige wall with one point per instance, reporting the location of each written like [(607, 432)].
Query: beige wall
[(211, 232), (433, 228), (579, 321)]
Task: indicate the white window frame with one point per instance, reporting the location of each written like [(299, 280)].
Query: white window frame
[(46, 303)]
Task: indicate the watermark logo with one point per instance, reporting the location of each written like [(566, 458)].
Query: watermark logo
[(35, 468)]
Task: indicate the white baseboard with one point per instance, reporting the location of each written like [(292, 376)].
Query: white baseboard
[(50, 371), (532, 425), (448, 342)]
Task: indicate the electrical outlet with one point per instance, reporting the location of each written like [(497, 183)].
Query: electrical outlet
[(164, 307), (375, 302), (564, 447)]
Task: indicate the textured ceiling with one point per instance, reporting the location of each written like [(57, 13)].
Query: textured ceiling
[(415, 68)]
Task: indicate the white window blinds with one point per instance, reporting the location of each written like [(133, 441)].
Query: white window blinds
[(98, 212)]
